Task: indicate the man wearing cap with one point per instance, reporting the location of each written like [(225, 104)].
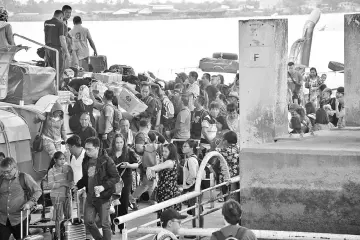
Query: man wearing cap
[(171, 223)]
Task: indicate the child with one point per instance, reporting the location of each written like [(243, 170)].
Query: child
[(60, 181)]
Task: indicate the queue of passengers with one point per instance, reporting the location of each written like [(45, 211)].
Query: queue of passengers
[(311, 104), (114, 151)]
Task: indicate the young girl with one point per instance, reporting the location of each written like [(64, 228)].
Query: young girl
[(60, 181)]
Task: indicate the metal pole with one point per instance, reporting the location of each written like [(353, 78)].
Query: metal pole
[(198, 213), (50, 48), (212, 183)]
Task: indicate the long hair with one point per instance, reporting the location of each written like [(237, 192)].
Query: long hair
[(124, 154), (173, 155), (55, 157)]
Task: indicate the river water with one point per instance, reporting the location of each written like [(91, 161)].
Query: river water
[(167, 46)]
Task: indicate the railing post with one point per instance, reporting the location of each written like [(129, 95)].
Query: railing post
[(199, 198), (124, 235), (212, 183)]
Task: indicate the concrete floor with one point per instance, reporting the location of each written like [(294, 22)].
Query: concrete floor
[(212, 220)]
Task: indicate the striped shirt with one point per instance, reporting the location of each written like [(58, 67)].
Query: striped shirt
[(60, 180)]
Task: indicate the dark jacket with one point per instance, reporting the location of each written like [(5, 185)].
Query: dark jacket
[(106, 175)]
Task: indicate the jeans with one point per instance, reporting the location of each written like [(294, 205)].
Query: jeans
[(51, 147), (122, 209), (93, 208), (7, 230), (145, 185)]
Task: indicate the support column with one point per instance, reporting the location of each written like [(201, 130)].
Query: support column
[(263, 49), (352, 69)]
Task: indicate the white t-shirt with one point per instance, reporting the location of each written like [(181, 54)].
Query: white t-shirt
[(80, 37), (76, 164)]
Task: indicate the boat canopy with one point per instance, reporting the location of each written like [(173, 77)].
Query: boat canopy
[(14, 127)]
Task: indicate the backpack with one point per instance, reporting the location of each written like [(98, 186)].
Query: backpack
[(116, 117), (239, 235), (26, 189), (167, 108)]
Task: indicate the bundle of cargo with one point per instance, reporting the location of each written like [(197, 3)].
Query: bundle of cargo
[(220, 62), (98, 63), (122, 69), (108, 78)]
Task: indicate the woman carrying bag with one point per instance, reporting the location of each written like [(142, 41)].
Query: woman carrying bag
[(125, 160)]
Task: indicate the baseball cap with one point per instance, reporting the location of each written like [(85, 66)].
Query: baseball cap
[(340, 90), (170, 214), (183, 76)]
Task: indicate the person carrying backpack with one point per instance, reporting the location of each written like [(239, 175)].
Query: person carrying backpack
[(18, 191), (233, 230), (109, 119)]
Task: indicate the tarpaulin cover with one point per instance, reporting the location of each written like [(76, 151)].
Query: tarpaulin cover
[(6, 56), (29, 83), (219, 65)]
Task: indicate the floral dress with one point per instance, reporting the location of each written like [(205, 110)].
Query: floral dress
[(167, 186), (231, 155)]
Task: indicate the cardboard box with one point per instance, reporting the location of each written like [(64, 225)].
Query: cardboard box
[(130, 103), (108, 78)]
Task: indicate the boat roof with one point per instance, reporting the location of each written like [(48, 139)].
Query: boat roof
[(14, 127)]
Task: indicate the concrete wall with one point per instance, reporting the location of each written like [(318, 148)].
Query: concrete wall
[(307, 186), (263, 48), (352, 69)]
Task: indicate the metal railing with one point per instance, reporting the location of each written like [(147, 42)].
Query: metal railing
[(50, 48), (260, 234), (197, 193)]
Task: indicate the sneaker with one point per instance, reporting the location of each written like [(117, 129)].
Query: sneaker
[(134, 207)]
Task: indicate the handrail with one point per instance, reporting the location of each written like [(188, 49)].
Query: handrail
[(260, 234), (50, 48), (197, 192)]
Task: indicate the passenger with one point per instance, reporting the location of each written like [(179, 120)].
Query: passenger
[(322, 120), (2, 156), (82, 104), (319, 94), (55, 38), (99, 187), (340, 107), (13, 198), (127, 133), (311, 112), (193, 89), (312, 82), (190, 171), (230, 150), (183, 122), (306, 125), (141, 139), (81, 36), (53, 131), (167, 187), (86, 129), (171, 223), (66, 9), (209, 127), (175, 98), (152, 109), (205, 91), (198, 117), (234, 87), (60, 180), (125, 161), (231, 211), (221, 100), (182, 78), (328, 103), (6, 34), (295, 82), (233, 118), (106, 119)]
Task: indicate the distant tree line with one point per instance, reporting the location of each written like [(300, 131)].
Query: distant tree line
[(92, 5)]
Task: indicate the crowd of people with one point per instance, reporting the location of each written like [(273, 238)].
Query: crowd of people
[(311, 104)]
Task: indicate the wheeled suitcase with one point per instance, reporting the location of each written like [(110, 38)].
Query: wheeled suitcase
[(98, 63), (73, 229), (28, 237)]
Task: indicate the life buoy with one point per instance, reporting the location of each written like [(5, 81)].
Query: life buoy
[(228, 56)]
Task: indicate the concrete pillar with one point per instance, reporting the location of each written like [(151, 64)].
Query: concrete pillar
[(263, 49), (352, 69)]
